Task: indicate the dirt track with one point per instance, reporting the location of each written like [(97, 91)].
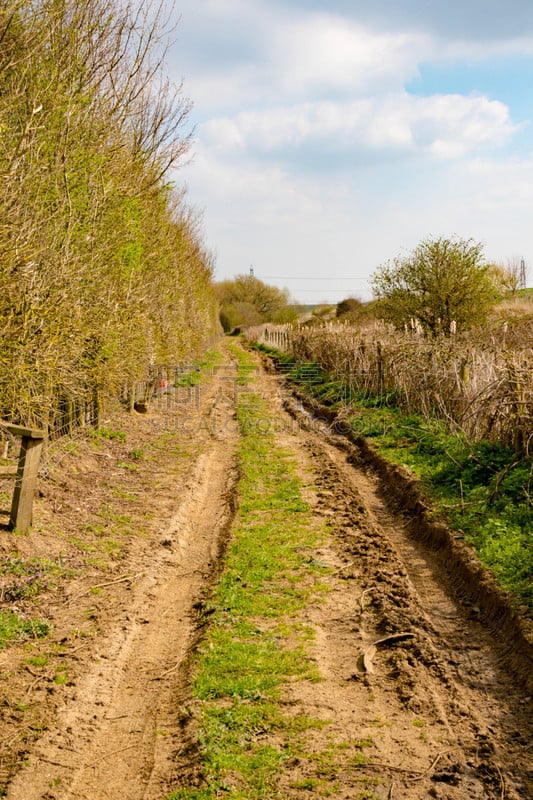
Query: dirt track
[(438, 707), (112, 731)]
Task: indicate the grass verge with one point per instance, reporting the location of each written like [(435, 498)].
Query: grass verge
[(482, 489), (255, 642)]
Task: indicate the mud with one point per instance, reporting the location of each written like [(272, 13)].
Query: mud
[(116, 728), (438, 699), (466, 576)]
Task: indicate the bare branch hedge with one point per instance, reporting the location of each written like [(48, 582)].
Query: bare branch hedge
[(480, 386)]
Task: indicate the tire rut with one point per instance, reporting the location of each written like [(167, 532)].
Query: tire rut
[(123, 733), (453, 672)]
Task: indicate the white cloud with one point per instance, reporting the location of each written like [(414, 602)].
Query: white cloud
[(444, 126), (266, 192), (473, 20), (344, 226), (327, 53), (256, 53), (270, 53), (505, 185)]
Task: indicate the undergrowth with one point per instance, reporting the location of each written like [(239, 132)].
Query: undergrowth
[(482, 489), (22, 578)]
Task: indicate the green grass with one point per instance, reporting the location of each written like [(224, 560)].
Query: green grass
[(14, 628), (25, 578), (103, 434), (200, 370), (246, 366), (128, 465), (254, 643), (482, 489), (61, 678), (37, 661)]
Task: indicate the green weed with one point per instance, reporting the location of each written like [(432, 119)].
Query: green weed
[(123, 494), (14, 628), (26, 577), (309, 784), (197, 372), (61, 678), (106, 434), (128, 466), (136, 454), (37, 661)]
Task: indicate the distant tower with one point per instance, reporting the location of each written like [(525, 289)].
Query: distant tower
[(251, 272), (522, 274)]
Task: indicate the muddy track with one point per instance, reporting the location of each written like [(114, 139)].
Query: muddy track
[(122, 733), (439, 664), (448, 670), (465, 577), (414, 669)]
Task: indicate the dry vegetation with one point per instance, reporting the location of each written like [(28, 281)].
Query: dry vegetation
[(480, 382)]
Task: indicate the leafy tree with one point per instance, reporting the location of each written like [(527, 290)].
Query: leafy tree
[(440, 282), (349, 308), (238, 314), (286, 314), (248, 301)]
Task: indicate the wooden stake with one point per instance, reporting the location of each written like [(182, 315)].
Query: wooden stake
[(21, 507)]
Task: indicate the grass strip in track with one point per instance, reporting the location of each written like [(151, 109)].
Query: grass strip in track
[(255, 642)]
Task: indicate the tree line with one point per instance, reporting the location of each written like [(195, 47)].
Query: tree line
[(246, 301), (440, 339), (443, 286), (102, 267)]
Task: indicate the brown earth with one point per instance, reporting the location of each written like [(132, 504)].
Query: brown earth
[(426, 679)]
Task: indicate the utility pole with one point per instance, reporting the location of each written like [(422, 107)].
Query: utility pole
[(522, 274)]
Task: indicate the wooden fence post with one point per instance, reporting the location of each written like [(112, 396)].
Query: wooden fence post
[(26, 477), (380, 376)]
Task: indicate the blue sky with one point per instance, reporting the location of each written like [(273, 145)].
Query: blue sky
[(333, 136)]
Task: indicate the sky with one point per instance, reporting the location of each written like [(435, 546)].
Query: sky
[(332, 137)]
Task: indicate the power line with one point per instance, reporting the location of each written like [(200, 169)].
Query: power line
[(298, 278)]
